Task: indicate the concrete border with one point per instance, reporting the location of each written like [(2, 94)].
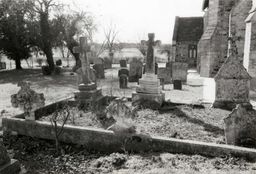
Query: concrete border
[(107, 141)]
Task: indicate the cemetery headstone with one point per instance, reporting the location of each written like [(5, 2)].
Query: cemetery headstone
[(27, 100), (135, 72), (99, 68), (7, 165), (149, 92), (123, 63), (107, 63), (232, 83), (123, 78), (179, 71), (87, 88), (164, 73), (240, 127), (168, 71)]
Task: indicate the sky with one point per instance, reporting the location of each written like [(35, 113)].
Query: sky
[(133, 19)]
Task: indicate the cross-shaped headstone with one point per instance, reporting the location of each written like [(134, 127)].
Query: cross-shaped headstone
[(83, 49), (150, 59)]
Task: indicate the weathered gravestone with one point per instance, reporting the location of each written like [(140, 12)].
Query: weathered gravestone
[(107, 63), (87, 87), (168, 78), (2, 65), (135, 72), (27, 100), (149, 92), (179, 71), (177, 84), (99, 68), (240, 129), (7, 165), (164, 73), (123, 78), (232, 83), (123, 63)]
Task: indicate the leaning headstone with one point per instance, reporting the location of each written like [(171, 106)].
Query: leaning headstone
[(179, 71), (7, 165), (87, 87), (99, 68), (123, 63), (135, 72), (149, 92), (27, 100), (123, 78), (240, 129), (232, 83)]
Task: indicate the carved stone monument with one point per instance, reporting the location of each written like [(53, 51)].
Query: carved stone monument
[(27, 100), (232, 82), (7, 165), (149, 89), (87, 88)]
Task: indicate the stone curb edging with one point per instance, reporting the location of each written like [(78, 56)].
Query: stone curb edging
[(107, 141)]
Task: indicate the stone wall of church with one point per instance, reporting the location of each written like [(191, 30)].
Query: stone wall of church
[(238, 16), (212, 48)]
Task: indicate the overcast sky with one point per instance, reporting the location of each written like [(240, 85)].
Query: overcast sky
[(135, 18)]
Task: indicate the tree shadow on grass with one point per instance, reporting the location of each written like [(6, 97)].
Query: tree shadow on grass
[(207, 127), (35, 76)]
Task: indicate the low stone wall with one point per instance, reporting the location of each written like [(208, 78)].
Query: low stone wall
[(102, 140)]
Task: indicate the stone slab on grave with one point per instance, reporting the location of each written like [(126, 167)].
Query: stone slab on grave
[(7, 165), (179, 71)]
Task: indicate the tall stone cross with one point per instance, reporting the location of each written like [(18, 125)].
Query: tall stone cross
[(150, 59), (83, 49)]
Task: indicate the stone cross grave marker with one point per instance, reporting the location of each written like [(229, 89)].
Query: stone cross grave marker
[(83, 49), (150, 59)]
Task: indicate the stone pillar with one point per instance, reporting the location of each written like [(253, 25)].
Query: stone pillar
[(149, 89)]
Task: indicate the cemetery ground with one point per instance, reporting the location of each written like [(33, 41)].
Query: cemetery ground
[(186, 120)]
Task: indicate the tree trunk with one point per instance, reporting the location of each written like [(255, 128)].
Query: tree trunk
[(18, 63), (49, 57), (75, 55)]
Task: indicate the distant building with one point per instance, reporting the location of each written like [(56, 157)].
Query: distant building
[(186, 35)]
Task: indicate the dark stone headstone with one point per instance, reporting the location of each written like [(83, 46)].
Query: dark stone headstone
[(135, 72), (99, 70), (59, 62), (123, 75), (123, 81), (123, 63), (177, 84), (107, 63)]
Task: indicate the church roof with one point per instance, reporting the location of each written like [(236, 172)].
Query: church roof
[(188, 29), (232, 68)]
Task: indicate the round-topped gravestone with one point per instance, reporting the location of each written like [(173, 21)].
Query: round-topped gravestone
[(4, 158)]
